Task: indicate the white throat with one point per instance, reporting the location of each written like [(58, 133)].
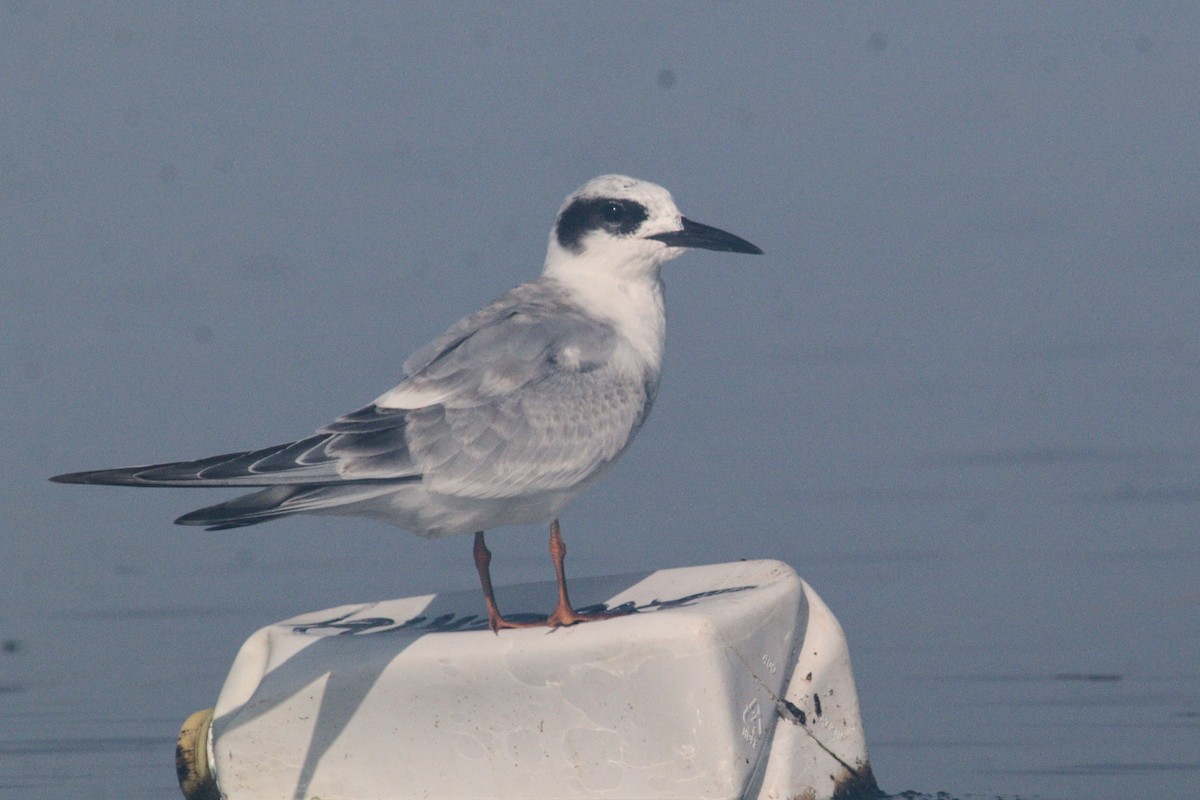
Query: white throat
[(623, 289)]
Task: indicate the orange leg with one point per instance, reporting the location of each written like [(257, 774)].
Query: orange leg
[(483, 561), (564, 614)]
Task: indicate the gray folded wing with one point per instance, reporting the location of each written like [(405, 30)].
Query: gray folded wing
[(529, 399), (522, 397), (304, 460)]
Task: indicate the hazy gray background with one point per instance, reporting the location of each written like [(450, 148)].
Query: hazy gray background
[(959, 393)]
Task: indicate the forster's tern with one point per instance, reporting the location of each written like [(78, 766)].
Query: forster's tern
[(516, 409)]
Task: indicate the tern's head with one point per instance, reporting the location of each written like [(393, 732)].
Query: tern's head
[(627, 228)]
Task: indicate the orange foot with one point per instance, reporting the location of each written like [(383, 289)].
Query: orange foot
[(497, 623), (565, 615)]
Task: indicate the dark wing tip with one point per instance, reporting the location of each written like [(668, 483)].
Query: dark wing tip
[(203, 517), (94, 476)]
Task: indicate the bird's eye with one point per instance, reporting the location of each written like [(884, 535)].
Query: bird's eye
[(614, 212)]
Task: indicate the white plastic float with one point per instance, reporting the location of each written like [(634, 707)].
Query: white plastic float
[(726, 681)]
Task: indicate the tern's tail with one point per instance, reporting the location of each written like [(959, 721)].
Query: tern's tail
[(283, 501), (299, 477)]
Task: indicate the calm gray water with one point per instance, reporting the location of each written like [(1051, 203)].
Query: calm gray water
[(960, 393)]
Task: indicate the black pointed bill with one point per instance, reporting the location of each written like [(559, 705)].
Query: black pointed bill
[(705, 237)]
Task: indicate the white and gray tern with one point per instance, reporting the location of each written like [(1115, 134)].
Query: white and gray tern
[(511, 413)]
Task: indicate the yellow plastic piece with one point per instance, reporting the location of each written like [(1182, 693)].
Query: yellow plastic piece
[(191, 758)]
